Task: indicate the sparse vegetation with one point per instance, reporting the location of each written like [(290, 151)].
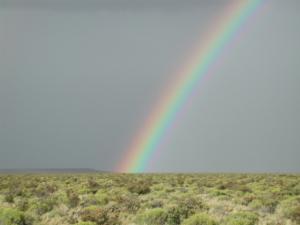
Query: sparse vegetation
[(242, 218), (199, 219), (150, 199)]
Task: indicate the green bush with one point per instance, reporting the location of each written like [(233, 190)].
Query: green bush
[(9, 197), (102, 198), (94, 214), (44, 190), (291, 208), (157, 203), (256, 204), (174, 216), (242, 218), (73, 198), (45, 205), (93, 186), (10, 216), (234, 186), (296, 189), (130, 203), (189, 206), (100, 216), (269, 202), (157, 216), (22, 204), (141, 187), (248, 198), (86, 223), (199, 219)]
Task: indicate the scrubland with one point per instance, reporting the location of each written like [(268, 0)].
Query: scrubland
[(150, 199)]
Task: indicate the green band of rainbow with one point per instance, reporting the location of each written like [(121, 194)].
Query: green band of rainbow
[(164, 114)]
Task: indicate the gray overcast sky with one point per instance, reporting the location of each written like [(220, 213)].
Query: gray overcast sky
[(78, 78)]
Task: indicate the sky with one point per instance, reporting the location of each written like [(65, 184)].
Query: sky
[(79, 78)]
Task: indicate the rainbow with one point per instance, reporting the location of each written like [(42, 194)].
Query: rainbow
[(198, 67)]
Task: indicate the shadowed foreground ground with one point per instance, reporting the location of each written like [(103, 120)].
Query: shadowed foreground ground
[(149, 199)]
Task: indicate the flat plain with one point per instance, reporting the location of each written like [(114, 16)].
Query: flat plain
[(149, 199)]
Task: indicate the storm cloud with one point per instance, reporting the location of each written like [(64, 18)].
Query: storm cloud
[(78, 79)]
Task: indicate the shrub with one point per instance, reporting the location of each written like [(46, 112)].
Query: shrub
[(86, 223), (156, 203), (44, 206), (256, 204), (291, 208), (234, 186), (93, 185), (189, 206), (174, 216), (180, 180), (10, 216), (199, 219), (218, 193), (100, 216), (102, 198), (141, 187), (9, 197), (157, 216), (22, 204), (248, 198), (269, 202), (242, 218), (44, 190), (296, 189), (73, 198), (94, 214), (129, 203)]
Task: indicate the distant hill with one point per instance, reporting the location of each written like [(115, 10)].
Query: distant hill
[(50, 170)]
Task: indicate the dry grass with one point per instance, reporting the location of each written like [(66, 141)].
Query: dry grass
[(150, 199)]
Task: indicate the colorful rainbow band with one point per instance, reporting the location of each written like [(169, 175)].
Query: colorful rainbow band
[(147, 141)]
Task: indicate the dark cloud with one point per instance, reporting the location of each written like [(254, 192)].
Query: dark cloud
[(77, 83), (108, 4)]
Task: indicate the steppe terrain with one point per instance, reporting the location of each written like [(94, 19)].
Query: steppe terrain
[(149, 199)]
